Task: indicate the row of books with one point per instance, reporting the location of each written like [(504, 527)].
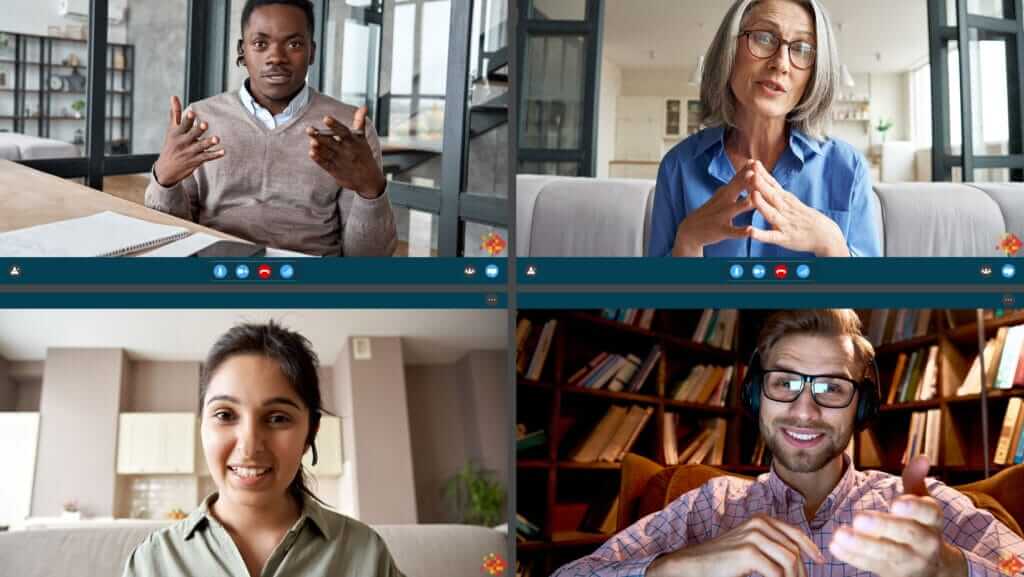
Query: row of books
[(924, 436), (1010, 447), (1003, 362), (617, 372), (642, 318), (532, 347), (717, 328), (614, 435), (704, 384), (894, 325), (916, 376), (705, 445)]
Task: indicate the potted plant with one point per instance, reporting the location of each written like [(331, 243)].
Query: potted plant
[(71, 511), (79, 107), (476, 497), (883, 127)]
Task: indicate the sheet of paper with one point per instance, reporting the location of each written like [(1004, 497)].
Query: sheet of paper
[(184, 247), (101, 234)]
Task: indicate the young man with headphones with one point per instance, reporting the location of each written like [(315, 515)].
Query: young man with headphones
[(811, 384), (276, 162)]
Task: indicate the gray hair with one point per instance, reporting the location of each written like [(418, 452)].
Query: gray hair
[(811, 114)]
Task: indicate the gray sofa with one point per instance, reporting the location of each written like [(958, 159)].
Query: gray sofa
[(419, 550), (565, 216)]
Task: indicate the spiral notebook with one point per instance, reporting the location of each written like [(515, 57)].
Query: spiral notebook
[(102, 234)]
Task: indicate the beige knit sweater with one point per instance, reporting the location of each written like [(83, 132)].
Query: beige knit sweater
[(266, 188)]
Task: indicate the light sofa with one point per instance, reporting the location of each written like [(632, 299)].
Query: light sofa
[(14, 146), (419, 550), (568, 216)]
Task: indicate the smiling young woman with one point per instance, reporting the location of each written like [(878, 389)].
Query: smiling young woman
[(260, 413)]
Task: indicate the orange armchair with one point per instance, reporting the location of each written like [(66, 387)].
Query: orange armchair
[(646, 487)]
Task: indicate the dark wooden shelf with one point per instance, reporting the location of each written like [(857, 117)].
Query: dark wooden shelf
[(671, 340), (907, 345), (537, 385), (711, 409), (615, 396), (968, 334), (533, 464), (993, 394), (911, 406)]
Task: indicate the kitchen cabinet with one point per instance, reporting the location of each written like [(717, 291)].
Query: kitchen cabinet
[(328, 449), (156, 443)]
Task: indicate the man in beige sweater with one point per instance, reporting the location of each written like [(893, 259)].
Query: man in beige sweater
[(277, 163)]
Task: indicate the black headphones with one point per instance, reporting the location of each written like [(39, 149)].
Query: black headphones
[(867, 403)]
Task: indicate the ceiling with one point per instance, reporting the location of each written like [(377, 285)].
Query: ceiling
[(429, 337), (679, 31)]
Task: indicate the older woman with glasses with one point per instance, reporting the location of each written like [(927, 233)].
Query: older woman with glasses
[(763, 179)]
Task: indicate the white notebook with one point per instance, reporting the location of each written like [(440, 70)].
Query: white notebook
[(102, 234)]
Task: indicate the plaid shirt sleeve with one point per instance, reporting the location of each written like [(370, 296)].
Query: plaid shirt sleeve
[(991, 548), (632, 550)]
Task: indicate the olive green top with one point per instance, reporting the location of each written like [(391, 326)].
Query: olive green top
[(321, 542)]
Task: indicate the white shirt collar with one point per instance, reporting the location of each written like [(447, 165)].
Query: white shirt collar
[(269, 120)]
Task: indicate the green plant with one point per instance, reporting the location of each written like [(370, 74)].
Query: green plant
[(477, 498), (78, 106), (883, 127)]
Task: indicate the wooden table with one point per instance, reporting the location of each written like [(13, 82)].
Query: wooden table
[(29, 197)]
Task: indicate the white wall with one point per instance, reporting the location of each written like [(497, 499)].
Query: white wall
[(611, 86)]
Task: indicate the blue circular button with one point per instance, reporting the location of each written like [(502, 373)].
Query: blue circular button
[(242, 271), (220, 271), (758, 271), (1009, 271), (287, 271), (736, 271), (803, 271), (491, 271)]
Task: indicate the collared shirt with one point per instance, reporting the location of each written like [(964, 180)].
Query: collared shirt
[(725, 502), (321, 542), (272, 121), (830, 176)]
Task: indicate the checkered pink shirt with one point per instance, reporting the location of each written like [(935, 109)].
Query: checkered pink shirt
[(723, 503)]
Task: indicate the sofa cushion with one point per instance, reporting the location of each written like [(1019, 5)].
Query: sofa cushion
[(591, 217), (1010, 198), (418, 550), (939, 219)]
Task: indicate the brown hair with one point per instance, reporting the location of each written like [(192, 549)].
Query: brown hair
[(824, 322)]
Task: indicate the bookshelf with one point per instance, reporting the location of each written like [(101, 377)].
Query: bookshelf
[(553, 492)]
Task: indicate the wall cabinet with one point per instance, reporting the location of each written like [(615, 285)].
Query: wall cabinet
[(156, 443), (328, 449), (19, 436)]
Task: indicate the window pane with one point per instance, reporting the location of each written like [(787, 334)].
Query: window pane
[(553, 168), (485, 240), (43, 81), (554, 92), (143, 75), (989, 106), (351, 57), (955, 126), (414, 73), (487, 169), (417, 232), (992, 8), (558, 9)]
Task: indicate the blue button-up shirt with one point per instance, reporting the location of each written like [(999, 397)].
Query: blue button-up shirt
[(830, 176)]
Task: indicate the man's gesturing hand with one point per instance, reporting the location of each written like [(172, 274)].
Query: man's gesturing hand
[(346, 155), (906, 541), (763, 545), (184, 151)]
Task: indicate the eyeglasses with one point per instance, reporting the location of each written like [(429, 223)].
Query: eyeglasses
[(764, 44), (827, 390)]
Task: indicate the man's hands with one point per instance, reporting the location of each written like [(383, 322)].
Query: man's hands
[(762, 544), (184, 151), (906, 541), (346, 155), (712, 222)]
